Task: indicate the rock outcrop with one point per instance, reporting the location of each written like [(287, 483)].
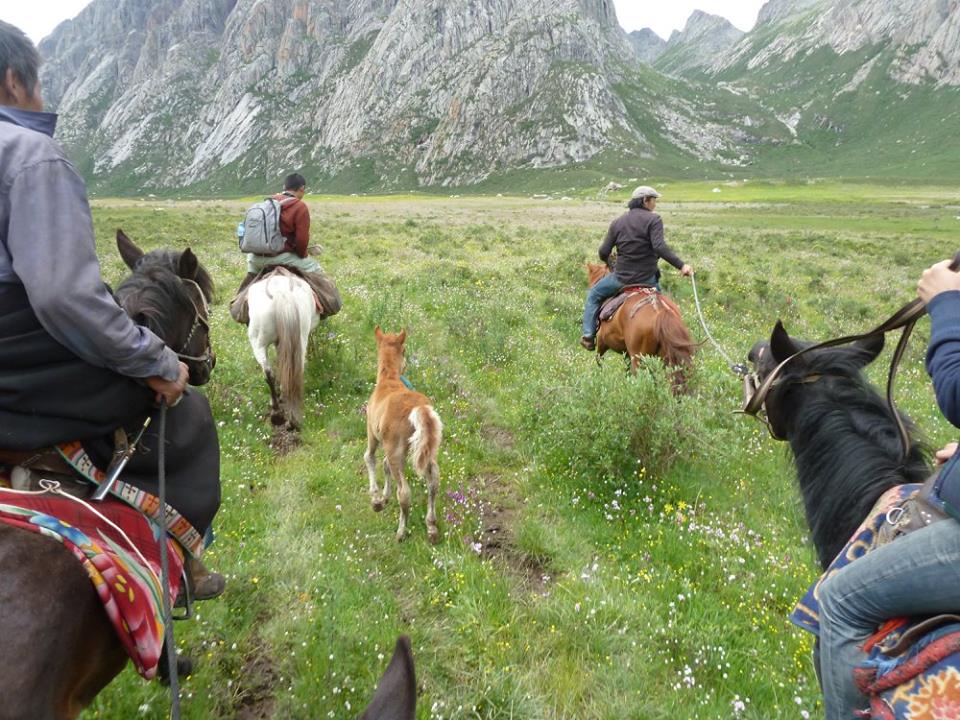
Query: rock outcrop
[(703, 40), (647, 45)]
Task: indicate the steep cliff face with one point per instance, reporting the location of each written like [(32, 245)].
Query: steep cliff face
[(922, 37), (703, 39), (647, 45), (383, 94), (865, 86)]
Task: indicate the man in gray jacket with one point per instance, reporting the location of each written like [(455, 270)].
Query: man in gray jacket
[(637, 236), (73, 365)]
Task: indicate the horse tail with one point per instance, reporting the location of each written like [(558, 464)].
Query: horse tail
[(425, 441), (676, 346), (289, 354)]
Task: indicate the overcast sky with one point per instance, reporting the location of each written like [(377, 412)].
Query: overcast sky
[(38, 18)]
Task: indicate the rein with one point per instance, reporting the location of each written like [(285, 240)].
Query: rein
[(755, 395)]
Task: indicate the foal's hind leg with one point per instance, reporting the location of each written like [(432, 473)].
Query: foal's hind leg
[(370, 458), (395, 460), (432, 476)]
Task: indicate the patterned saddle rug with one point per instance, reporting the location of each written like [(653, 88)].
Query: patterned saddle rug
[(611, 305), (121, 554), (912, 671)]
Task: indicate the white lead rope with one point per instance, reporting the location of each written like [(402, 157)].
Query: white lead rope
[(737, 368)]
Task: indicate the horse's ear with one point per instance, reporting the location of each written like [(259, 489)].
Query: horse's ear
[(189, 265), (130, 253), (378, 333), (396, 695), (868, 348), (781, 345), (402, 337)]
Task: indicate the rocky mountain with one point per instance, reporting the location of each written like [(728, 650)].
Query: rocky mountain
[(225, 94), (703, 40), (922, 38), (228, 95), (647, 45), (862, 85)]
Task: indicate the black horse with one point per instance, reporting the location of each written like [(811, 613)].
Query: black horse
[(169, 292), (844, 438), (58, 649)]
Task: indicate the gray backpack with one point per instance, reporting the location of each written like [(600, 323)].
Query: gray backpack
[(260, 233)]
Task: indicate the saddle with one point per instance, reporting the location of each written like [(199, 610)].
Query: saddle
[(611, 305)]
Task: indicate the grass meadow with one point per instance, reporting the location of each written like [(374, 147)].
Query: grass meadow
[(608, 550)]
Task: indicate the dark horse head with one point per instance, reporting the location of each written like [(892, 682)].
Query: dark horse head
[(169, 293), (843, 435)]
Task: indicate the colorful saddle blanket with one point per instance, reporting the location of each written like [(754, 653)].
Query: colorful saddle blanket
[(920, 683), (611, 305), (127, 579)]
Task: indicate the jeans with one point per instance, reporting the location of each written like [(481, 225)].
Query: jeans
[(606, 287), (919, 574)]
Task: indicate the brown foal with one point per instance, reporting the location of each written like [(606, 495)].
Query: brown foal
[(401, 420)]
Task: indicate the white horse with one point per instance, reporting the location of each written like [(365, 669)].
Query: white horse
[(283, 311)]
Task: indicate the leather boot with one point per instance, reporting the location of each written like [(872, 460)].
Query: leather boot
[(204, 584)]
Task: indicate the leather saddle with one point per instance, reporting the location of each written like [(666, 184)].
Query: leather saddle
[(26, 468), (611, 305)]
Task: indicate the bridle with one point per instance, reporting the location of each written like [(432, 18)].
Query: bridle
[(756, 391), (201, 314)]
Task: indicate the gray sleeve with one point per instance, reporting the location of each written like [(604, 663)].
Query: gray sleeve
[(660, 246), (606, 247), (50, 240)]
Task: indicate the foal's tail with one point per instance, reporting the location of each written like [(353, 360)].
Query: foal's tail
[(289, 354), (425, 442)]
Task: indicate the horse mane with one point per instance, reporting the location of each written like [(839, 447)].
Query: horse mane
[(170, 260), (155, 297), (846, 446)]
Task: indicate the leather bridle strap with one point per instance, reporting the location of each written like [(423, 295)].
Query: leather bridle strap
[(906, 317)]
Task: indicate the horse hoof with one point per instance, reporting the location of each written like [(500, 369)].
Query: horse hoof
[(378, 505), (277, 419), (401, 536), (434, 535)]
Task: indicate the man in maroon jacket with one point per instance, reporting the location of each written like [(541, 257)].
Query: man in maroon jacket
[(295, 228)]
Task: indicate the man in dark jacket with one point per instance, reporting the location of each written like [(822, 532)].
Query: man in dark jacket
[(295, 228), (637, 236), (73, 365)]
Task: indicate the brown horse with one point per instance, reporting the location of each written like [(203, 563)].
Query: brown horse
[(57, 647), (402, 420), (646, 327)]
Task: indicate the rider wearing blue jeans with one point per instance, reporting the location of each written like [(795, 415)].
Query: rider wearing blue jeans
[(919, 574), (637, 236)]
